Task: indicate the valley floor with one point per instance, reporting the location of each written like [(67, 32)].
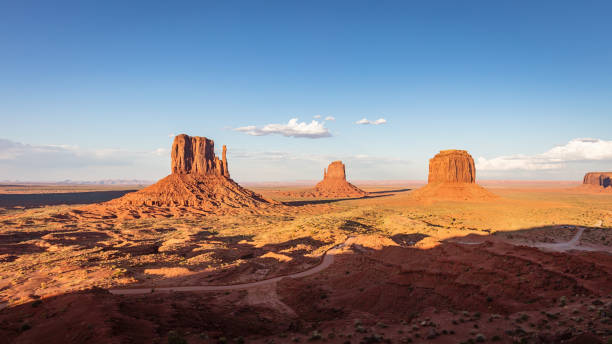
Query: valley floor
[(533, 266)]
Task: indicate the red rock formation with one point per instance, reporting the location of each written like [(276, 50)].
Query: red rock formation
[(335, 171), (601, 179), (452, 166), (199, 180), (452, 176), (224, 157), (197, 155), (334, 184)]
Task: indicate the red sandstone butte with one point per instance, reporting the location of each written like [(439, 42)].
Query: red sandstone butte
[(452, 166), (602, 179), (199, 180), (452, 176), (197, 155), (334, 183)]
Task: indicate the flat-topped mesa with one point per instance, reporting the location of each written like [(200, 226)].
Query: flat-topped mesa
[(452, 177), (452, 166), (196, 155), (602, 179)]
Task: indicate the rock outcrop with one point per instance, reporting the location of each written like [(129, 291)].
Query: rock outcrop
[(333, 185), (452, 176), (199, 181), (197, 155), (452, 166), (600, 179), (336, 171)]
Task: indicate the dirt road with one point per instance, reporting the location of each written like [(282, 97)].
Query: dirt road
[(326, 261)]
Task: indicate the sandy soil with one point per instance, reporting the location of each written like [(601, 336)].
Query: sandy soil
[(532, 265)]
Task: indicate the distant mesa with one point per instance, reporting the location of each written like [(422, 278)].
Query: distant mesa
[(599, 179), (199, 180), (452, 176), (597, 182), (334, 184)]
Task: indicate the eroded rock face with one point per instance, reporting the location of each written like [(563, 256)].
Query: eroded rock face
[(452, 176), (196, 155), (603, 179), (335, 171), (200, 183), (452, 166), (334, 183)]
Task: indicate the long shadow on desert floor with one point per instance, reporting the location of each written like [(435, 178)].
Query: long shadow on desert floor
[(302, 202), (389, 191), (44, 199)]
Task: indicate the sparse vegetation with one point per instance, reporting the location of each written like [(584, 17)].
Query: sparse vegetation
[(76, 254), (175, 337)]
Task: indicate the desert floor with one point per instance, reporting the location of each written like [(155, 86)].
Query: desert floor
[(532, 266)]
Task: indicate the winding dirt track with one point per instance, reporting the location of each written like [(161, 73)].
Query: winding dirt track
[(326, 261), (573, 244)]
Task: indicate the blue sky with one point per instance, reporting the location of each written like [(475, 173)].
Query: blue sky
[(93, 90)]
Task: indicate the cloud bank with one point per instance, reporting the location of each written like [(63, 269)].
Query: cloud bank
[(365, 121), (31, 162), (20, 161), (293, 128), (576, 150)]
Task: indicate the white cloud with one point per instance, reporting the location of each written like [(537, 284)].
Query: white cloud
[(317, 116), (161, 152), (365, 121), (515, 162), (21, 161), (576, 150), (293, 128), (68, 156), (330, 118)]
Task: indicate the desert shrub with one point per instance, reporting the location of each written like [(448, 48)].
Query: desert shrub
[(315, 335), (175, 338)]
